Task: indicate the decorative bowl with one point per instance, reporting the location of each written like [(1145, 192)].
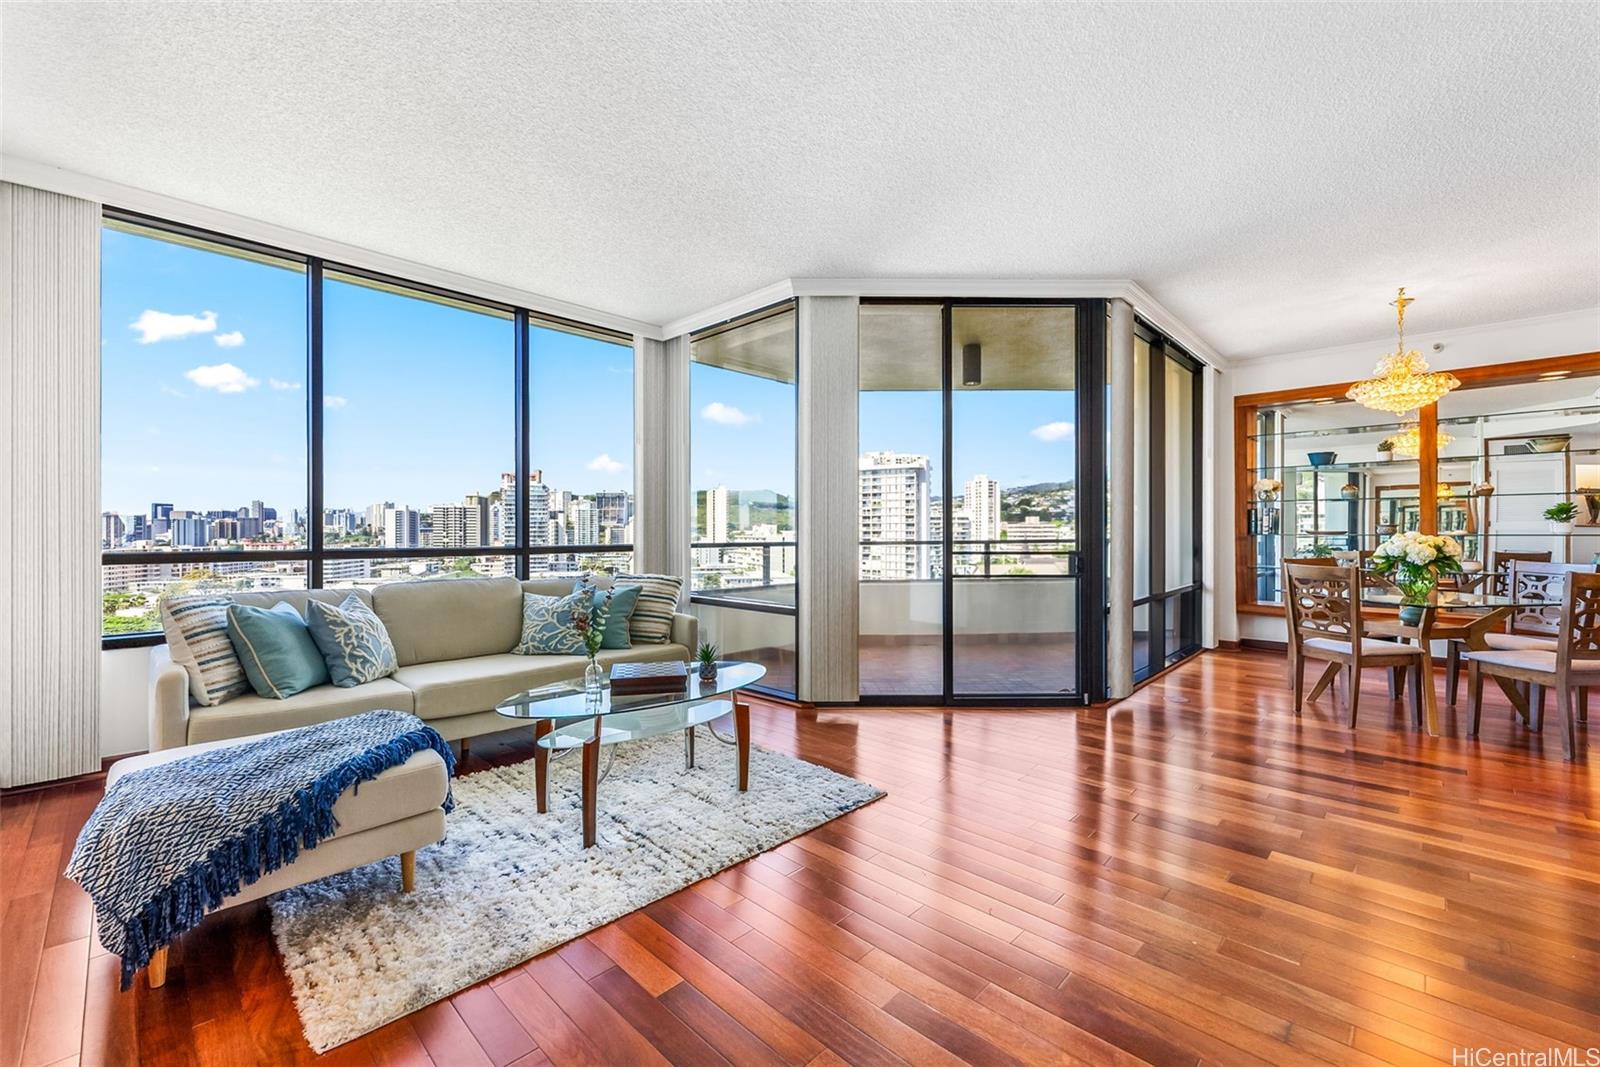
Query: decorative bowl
[(1321, 459)]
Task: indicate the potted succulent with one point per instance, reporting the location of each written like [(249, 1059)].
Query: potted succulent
[(706, 655), (1414, 561), (1561, 516), (1386, 448)]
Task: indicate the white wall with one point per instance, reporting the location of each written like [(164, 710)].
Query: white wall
[(1502, 342), (124, 701)]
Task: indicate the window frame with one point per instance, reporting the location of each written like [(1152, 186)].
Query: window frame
[(316, 554)]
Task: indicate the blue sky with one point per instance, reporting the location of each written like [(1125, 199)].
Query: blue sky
[(204, 390), (204, 399)]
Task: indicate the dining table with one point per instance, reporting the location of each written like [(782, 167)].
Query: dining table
[(1444, 614)]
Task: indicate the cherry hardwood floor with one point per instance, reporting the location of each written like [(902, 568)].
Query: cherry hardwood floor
[(1190, 876)]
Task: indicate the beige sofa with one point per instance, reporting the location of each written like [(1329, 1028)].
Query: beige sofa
[(453, 638)]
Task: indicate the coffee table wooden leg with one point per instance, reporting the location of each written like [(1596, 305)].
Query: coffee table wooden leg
[(541, 766), (591, 784), (741, 730)]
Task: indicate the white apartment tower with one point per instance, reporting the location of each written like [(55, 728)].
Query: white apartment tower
[(982, 505), (402, 528), (717, 513), (894, 508)]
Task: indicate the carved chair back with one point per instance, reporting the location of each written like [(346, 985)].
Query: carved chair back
[(1323, 601), (1501, 566), (1580, 618), (1539, 590)]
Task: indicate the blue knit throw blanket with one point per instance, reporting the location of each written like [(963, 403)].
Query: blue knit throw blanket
[(169, 843)]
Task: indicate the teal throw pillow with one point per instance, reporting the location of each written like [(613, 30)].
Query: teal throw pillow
[(353, 641), (547, 626), (276, 649), (624, 598)]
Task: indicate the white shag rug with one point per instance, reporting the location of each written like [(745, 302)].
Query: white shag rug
[(508, 883)]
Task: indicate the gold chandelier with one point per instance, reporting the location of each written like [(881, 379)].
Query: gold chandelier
[(1408, 442), (1402, 382)]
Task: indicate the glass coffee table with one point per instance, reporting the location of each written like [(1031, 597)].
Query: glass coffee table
[(565, 717)]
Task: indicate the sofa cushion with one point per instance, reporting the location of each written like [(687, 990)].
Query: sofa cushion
[(547, 625), (466, 686), (275, 645), (252, 714), (353, 642), (415, 786), (462, 686), (651, 621), (620, 601), (450, 618), (196, 627)]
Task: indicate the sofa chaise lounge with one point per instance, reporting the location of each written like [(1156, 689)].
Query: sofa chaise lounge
[(453, 639)]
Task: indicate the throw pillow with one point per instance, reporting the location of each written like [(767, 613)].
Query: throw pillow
[(547, 625), (275, 645), (353, 641), (196, 626), (624, 598), (651, 621)]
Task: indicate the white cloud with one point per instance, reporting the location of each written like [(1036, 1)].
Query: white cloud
[(229, 340), (726, 414), (163, 326), (606, 465), (332, 401), (1052, 431), (280, 384), (223, 377)]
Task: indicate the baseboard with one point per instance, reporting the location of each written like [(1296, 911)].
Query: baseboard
[(1228, 646), (1259, 644)]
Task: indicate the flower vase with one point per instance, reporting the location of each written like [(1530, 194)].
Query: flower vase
[(593, 680), (1414, 593)]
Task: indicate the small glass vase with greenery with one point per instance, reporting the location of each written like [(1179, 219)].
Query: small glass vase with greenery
[(589, 622), (1414, 561), (706, 656)]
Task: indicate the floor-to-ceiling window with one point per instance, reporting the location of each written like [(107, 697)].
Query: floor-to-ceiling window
[(969, 507), (1167, 453), (271, 421), (742, 477)]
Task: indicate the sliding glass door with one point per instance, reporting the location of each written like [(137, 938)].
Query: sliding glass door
[(969, 466)]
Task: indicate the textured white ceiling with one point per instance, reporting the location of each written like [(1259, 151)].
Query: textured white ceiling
[(1269, 172)]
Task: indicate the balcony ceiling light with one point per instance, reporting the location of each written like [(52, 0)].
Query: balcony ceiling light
[(1402, 381)]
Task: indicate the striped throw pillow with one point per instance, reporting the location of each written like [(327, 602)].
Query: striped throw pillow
[(651, 621), (196, 626)]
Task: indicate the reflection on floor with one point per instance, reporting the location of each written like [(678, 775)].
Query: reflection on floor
[(902, 666)]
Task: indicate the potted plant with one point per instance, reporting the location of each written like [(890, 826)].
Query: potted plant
[(1561, 516), (1414, 561), (706, 655), (1386, 448), (1320, 550)]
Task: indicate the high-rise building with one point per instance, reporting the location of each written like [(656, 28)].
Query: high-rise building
[(402, 528), (538, 509), (160, 519), (456, 526), (614, 506), (112, 530), (479, 503), (894, 507), (226, 529), (585, 522), (138, 528), (190, 532), (258, 509), (377, 517), (982, 505), (717, 513)]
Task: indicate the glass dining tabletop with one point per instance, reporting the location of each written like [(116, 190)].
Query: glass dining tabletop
[(563, 701), (1454, 599)]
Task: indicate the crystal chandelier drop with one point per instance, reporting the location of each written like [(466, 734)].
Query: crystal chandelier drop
[(1408, 442), (1402, 382)]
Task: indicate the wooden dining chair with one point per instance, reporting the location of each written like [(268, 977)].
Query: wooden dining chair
[(1571, 667), (1306, 561), (1324, 609), (1500, 568)]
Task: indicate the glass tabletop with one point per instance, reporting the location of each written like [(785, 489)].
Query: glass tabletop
[(567, 700), (1449, 598)]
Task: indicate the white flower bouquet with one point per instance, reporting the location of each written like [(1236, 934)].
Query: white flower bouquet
[(1268, 488), (1414, 562)]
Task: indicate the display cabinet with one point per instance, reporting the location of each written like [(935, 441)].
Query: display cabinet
[(1317, 474)]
